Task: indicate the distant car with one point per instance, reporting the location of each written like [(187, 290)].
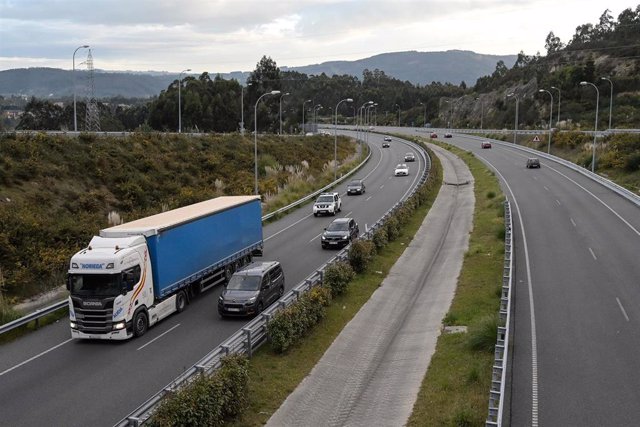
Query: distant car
[(409, 157), (327, 203), (385, 144), (485, 144), (448, 135), (251, 289), (401, 170), (356, 186), (339, 233), (387, 138), (434, 135), (533, 162)]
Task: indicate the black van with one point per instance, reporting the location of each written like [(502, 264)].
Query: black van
[(251, 289)]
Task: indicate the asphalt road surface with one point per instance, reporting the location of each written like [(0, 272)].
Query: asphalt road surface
[(48, 379), (577, 294)]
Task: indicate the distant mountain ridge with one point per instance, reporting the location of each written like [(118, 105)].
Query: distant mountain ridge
[(453, 66)]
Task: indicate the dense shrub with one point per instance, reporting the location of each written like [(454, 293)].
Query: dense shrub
[(361, 253), (393, 228), (483, 334), (289, 325), (337, 276), (209, 400), (380, 239)]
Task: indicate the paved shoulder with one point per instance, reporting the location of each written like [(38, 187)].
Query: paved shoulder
[(372, 372)]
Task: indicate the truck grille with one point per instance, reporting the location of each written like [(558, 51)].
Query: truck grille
[(94, 319)]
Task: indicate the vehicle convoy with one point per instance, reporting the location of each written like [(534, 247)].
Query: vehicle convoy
[(327, 203), (135, 274)]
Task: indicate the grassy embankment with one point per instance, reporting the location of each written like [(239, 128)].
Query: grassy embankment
[(455, 390), (57, 191)]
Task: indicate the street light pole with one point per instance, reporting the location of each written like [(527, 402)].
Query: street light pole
[(335, 139), (515, 133), (610, 100), (559, 94), (424, 122), (595, 127), (73, 72), (242, 108), (550, 118), (315, 115), (304, 131), (255, 136), (282, 96), (179, 99)]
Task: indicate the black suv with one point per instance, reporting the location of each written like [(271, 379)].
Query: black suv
[(251, 289), (533, 162), (339, 233)]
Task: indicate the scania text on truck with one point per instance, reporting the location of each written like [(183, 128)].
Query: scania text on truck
[(135, 274)]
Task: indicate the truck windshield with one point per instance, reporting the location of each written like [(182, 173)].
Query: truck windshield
[(240, 282), (104, 285)]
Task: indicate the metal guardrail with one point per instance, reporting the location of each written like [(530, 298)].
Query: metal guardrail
[(254, 334), (498, 378), (63, 304)]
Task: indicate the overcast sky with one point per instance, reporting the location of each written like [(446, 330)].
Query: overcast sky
[(228, 35)]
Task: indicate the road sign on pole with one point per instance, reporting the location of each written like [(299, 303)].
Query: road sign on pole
[(536, 139)]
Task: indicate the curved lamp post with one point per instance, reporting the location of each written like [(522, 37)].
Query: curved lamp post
[(255, 136), (515, 132), (304, 131), (335, 139), (242, 108), (550, 118), (424, 122), (315, 117), (595, 127), (610, 99), (280, 115), (180, 100), (559, 94), (75, 119)]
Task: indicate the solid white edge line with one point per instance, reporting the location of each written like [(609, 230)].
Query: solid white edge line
[(593, 254), (624, 312), (159, 336), (534, 341), (573, 222), (35, 357)]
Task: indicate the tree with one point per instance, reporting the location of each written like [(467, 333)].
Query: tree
[(552, 43), (41, 115)]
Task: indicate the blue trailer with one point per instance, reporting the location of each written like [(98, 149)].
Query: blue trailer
[(137, 273)]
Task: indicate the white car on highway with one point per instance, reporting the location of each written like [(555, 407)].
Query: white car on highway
[(401, 170)]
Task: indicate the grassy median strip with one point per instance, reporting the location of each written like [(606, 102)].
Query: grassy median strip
[(274, 376), (455, 391)]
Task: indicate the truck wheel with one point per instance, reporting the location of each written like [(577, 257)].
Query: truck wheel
[(181, 301), (140, 323)]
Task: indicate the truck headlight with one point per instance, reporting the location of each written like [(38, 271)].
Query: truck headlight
[(119, 325), (73, 325)]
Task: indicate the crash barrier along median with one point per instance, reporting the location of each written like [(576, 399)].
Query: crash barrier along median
[(254, 334), (498, 378)]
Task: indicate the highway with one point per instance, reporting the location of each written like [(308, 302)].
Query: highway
[(48, 379), (577, 295)]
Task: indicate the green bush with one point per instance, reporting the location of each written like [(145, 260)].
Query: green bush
[(361, 253), (289, 325), (380, 239), (209, 400), (483, 334), (393, 228), (337, 276)]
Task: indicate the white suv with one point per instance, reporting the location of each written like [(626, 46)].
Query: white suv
[(327, 203)]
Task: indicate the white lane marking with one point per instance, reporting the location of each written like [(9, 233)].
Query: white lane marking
[(546, 188), (558, 202), (35, 357), (159, 336), (624, 312), (367, 199), (534, 340), (573, 222), (598, 199), (286, 228), (382, 186), (315, 238), (593, 254)]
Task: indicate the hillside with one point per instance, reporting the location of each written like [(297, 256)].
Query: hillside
[(416, 67), (423, 68)]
